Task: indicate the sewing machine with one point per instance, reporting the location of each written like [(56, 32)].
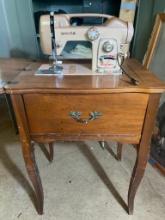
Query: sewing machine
[(110, 40)]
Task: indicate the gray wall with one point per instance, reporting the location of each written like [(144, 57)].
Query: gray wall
[(4, 32), (17, 28), (146, 14), (18, 35), (17, 31)]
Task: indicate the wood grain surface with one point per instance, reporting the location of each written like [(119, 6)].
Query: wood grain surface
[(122, 115), (10, 68), (42, 105), (27, 82)]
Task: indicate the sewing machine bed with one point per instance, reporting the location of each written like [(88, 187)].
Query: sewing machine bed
[(72, 68)]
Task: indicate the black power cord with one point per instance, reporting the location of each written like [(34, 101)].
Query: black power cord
[(133, 80)]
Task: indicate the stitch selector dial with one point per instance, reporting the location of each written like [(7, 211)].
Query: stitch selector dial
[(93, 34), (108, 46)]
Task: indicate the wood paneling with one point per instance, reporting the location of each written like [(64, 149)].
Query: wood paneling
[(122, 114)]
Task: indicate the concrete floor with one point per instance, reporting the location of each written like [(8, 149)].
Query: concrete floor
[(83, 182)]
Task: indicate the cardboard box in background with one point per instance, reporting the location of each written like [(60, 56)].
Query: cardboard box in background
[(127, 10)]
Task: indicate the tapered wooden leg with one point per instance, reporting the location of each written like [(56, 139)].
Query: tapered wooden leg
[(117, 155), (119, 151), (51, 152), (137, 174), (27, 149), (29, 158), (143, 150), (102, 144)]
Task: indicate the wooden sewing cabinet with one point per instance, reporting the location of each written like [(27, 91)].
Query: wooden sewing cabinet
[(86, 107)]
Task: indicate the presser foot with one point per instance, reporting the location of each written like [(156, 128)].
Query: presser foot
[(56, 69), (46, 69)]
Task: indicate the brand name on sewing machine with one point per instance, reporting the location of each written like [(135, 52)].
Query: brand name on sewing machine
[(68, 33)]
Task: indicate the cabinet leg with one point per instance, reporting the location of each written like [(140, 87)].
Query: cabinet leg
[(32, 169), (51, 152), (102, 144), (28, 150), (143, 149), (119, 151), (137, 175)]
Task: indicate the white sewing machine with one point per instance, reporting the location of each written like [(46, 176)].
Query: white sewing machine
[(110, 40)]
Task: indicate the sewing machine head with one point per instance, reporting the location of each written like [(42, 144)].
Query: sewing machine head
[(110, 40)]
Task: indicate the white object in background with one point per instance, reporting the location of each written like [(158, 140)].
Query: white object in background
[(2, 82)]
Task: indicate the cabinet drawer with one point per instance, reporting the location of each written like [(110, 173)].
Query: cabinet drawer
[(120, 114)]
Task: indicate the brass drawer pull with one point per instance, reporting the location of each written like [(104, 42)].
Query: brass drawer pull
[(92, 116)]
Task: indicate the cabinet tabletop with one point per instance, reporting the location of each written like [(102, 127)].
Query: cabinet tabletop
[(10, 68), (28, 82)]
